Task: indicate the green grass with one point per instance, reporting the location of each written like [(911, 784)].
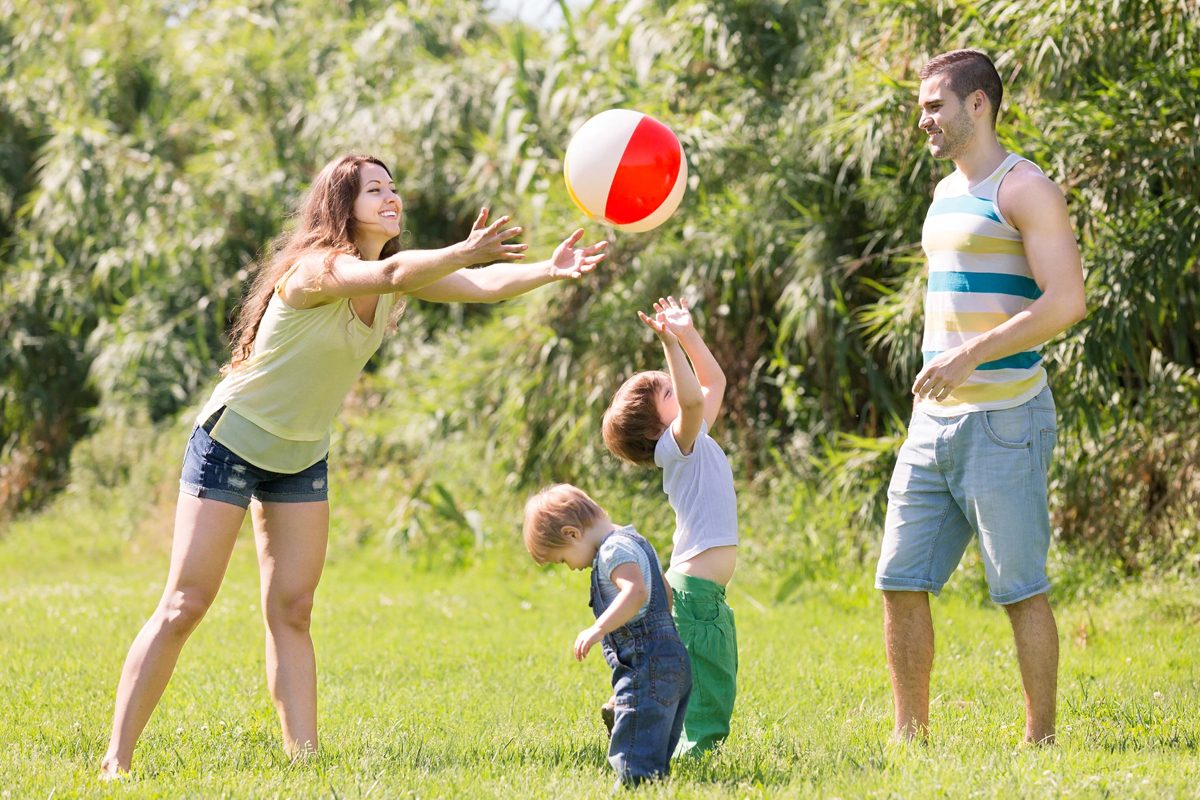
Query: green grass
[(459, 682)]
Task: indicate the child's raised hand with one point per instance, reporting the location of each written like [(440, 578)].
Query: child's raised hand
[(585, 640), (570, 261), (658, 324), (675, 313), (487, 243)]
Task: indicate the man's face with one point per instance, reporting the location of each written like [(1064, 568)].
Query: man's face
[(944, 118)]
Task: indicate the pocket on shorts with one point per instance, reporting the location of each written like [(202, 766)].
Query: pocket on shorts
[(670, 676), (702, 611), (1009, 427)]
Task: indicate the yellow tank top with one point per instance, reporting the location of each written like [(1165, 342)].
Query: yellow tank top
[(281, 401)]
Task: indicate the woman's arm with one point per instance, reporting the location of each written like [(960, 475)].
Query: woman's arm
[(407, 271), (503, 281)]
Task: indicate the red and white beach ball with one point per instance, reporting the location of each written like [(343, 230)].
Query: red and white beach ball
[(626, 169)]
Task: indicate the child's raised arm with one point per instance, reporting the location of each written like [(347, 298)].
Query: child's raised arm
[(686, 388), (631, 593), (708, 371)]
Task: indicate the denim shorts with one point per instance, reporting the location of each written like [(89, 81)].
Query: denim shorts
[(213, 471), (981, 473)]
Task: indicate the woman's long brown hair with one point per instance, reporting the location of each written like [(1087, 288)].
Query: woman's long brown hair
[(325, 223)]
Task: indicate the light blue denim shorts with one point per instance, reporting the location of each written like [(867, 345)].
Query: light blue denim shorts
[(981, 473), (212, 471)]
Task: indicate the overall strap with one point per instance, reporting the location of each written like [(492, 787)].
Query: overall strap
[(657, 587), (594, 598)]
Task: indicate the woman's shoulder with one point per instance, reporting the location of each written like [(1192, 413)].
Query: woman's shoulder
[(299, 284)]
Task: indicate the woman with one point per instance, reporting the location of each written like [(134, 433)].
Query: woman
[(313, 316)]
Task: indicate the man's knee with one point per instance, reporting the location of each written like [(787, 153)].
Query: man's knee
[(1037, 606), (899, 601)]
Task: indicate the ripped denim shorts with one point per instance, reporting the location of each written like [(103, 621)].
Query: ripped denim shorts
[(213, 471)]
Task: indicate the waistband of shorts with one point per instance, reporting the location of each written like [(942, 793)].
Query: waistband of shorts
[(690, 584)]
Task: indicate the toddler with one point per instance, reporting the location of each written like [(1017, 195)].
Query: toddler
[(651, 674)]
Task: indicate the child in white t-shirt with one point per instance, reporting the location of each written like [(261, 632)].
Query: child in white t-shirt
[(663, 419)]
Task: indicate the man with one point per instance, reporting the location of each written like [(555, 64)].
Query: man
[(1004, 277)]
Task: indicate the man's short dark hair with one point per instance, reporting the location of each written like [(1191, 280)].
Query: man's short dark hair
[(967, 71)]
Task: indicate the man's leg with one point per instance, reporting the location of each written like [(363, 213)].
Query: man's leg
[(1037, 652), (1003, 482), (925, 534), (908, 639)]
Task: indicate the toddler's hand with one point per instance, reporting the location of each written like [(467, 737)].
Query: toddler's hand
[(675, 314), (584, 641), (658, 324)]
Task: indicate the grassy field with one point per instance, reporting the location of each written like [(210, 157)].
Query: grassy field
[(454, 683)]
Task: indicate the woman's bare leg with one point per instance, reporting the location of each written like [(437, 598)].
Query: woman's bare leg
[(205, 531), (291, 540)]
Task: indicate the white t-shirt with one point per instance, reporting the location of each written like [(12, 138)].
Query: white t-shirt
[(699, 487), (616, 550)]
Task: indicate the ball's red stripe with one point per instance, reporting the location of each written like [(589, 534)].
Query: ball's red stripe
[(646, 175)]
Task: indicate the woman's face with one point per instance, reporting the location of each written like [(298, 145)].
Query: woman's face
[(378, 210)]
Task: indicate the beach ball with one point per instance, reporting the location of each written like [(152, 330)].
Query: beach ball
[(626, 169)]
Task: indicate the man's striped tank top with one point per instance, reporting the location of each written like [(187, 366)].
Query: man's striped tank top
[(978, 279)]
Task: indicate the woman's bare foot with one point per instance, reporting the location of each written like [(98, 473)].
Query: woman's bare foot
[(111, 770)]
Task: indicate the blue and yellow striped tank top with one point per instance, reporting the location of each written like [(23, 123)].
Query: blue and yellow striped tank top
[(978, 279)]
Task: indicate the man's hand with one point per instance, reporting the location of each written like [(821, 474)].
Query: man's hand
[(585, 640), (944, 374)]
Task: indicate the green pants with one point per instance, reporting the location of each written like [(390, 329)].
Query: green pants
[(706, 627)]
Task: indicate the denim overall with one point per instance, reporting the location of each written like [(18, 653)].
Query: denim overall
[(652, 678)]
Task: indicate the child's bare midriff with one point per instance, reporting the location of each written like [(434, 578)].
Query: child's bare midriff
[(715, 564)]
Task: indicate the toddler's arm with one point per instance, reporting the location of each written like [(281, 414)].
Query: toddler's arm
[(632, 593)]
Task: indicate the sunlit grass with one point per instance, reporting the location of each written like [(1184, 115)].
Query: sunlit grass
[(460, 683)]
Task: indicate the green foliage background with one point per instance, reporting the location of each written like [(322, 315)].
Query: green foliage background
[(149, 150)]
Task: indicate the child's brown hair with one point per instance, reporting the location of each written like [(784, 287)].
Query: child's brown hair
[(552, 509), (631, 425)]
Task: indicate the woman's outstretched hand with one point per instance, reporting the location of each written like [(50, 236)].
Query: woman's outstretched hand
[(488, 243), (570, 261)]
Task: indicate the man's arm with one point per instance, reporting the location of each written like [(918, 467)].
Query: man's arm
[(1035, 207)]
